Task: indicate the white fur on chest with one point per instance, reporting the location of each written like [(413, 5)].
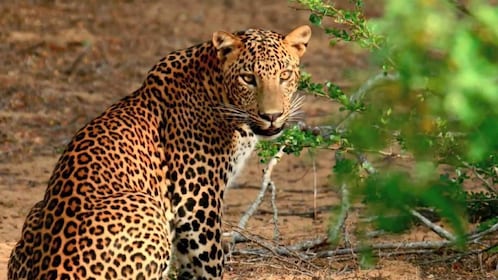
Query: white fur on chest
[(243, 150)]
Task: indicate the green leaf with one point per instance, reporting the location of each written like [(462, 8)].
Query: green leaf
[(315, 19)]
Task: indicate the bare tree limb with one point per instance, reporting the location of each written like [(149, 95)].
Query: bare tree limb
[(308, 244), (264, 186), (435, 228), (432, 226), (335, 229), (276, 233), (479, 235), (418, 245), (305, 213)]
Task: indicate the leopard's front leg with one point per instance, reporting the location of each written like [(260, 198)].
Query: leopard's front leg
[(197, 242)]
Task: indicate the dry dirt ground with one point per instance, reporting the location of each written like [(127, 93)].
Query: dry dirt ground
[(63, 62)]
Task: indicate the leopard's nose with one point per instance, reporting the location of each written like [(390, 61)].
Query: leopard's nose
[(270, 117)]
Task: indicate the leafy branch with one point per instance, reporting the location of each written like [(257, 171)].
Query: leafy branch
[(352, 23)]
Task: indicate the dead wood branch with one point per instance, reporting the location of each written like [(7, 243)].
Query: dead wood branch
[(432, 226), (341, 217), (304, 249), (274, 250), (276, 233), (259, 199), (477, 236), (304, 213), (398, 247), (435, 228)]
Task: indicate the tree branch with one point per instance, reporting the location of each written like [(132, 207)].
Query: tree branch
[(276, 233), (435, 228), (336, 227), (360, 93), (264, 186)]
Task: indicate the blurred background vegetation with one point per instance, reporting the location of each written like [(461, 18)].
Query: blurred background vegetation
[(430, 94)]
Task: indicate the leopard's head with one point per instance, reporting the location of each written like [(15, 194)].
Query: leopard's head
[(260, 75)]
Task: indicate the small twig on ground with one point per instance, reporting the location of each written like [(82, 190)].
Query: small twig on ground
[(72, 68), (275, 250), (260, 261), (405, 252), (435, 228), (308, 244), (487, 185), (264, 186), (461, 255), (286, 251), (388, 246), (476, 236), (305, 213), (375, 233)]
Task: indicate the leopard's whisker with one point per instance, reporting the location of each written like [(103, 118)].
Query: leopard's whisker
[(295, 107), (296, 115), (297, 101)]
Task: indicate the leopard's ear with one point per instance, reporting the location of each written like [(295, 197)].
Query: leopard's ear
[(298, 39), (227, 44)]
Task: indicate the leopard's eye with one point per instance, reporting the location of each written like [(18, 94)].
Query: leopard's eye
[(285, 75), (249, 79)]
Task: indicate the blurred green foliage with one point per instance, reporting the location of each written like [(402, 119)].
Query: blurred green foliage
[(435, 95), (448, 67)]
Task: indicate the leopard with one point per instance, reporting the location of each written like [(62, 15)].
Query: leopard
[(139, 189)]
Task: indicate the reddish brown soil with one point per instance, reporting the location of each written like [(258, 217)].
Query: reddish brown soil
[(63, 62)]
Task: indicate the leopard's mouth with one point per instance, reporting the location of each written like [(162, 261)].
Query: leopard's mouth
[(268, 132)]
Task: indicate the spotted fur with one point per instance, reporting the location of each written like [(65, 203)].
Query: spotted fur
[(145, 179)]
